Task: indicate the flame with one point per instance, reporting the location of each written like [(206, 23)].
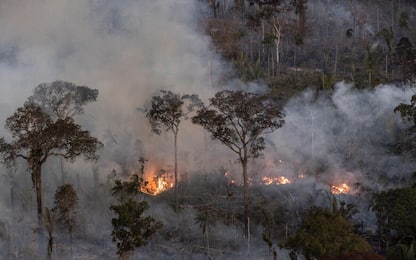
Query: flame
[(343, 188), (156, 181), (275, 180)]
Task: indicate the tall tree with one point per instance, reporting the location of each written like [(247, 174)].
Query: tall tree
[(36, 137), (388, 36), (62, 99), (270, 11), (165, 114), (239, 119)]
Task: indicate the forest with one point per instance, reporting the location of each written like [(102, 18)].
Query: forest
[(208, 129)]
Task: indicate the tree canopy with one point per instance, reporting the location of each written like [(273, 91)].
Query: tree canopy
[(238, 119), (325, 232), (165, 114), (396, 213), (62, 99), (36, 137), (130, 228)]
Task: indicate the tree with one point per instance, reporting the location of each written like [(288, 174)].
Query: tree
[(131, 229), (35, 138), (324, 233), (50, 225), (388, 36), (408, 113), (402, 251), (239, 119), (396, 214), (165, 114), (61, 99), (406, 55), (65, 209), (269, 12), (126, 190)]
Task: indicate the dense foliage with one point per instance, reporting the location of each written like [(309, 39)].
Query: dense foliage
[(303, 43), (130, 228), (326, 233), (396, 214)]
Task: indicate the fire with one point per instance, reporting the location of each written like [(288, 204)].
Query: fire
[(343, 188), (275, 180), (156, 181)]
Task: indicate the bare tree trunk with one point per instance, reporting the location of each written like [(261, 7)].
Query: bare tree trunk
[(245, 194), (277, 34), (37, 181), (335, 61), (38, 187), (176, 170), (70, 240), (62, 170)]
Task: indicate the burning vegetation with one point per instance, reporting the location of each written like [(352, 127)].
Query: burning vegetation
[(339, 189), (156, 180), (275, 180)]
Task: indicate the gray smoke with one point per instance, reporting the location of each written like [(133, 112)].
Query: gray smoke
[(129, 50)]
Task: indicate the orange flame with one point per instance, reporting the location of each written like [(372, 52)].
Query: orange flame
[(275, 180), (156, 181), (343, 188)]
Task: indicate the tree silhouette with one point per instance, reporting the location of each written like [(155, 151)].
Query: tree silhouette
[(239, 119), (165, 114), (62, 99), (35, 138)]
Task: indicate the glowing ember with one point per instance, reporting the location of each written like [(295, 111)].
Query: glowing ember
[(274, 180), (343, 188)]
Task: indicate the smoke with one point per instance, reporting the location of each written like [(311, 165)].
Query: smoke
[(129, 50), (348, 134)]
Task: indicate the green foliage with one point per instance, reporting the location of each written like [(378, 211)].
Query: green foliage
[(396, 213), (205, 217), (403, 252), (325, 233), (248, 70), (408, 111), (125, 190), (131, 229)]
